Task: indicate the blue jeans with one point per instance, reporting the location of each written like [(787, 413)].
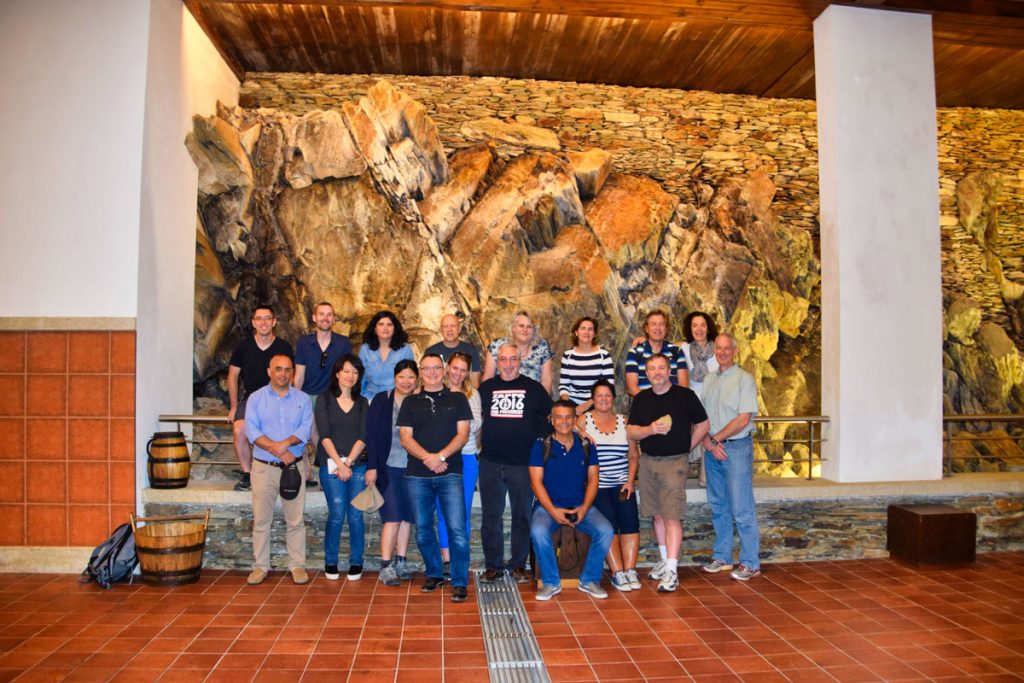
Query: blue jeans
[(470, 472), (339, 496), (593, 524), (731, 497), (446, 490)]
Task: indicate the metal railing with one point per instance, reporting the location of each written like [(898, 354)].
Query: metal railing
[(814, 437), (949, 420), (813, 422)]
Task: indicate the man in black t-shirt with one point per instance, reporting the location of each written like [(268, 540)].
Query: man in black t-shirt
[(667, 420), (249, 362), (433, 427), (514, 411)]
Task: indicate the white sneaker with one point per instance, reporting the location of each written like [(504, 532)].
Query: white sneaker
[(620, 582), (669, 582), (659, 571), (634, 580)]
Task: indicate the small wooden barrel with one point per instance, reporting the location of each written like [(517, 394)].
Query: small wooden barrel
[(169, 462), (170, 549)]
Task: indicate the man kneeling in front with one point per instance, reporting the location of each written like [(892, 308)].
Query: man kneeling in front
[(564, 477)]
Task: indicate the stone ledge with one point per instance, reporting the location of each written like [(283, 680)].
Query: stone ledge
[(44, 559), (765, 490), (67, 324)]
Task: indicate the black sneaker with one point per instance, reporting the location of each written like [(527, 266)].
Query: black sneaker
[(430, 585), (245, 484), (311, 483), (331, 572), (459, 594), (355, 572)]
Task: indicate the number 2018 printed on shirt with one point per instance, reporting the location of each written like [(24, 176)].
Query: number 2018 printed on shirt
[(508, 403)]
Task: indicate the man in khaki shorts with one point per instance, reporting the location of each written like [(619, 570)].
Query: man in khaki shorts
[(667, 420)]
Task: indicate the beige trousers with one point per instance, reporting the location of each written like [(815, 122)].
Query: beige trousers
[(266, 484)]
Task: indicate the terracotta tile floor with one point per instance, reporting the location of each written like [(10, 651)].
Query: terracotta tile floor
[(866, 620)]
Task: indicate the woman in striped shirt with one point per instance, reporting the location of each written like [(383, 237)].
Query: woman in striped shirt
[(618, 458), (582, 365)]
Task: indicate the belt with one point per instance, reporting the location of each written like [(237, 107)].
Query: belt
[(278, 465), (736, 438)]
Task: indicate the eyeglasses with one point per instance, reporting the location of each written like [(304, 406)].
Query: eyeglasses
[(263, 318), (431, 368), (323, 359)]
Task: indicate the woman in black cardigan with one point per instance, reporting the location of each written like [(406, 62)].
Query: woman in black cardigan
[(386, 467)]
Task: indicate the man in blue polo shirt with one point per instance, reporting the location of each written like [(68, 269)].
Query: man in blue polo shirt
[(565, 484), (278, 419), (315, 355)]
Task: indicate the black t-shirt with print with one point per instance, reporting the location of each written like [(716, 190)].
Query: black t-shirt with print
[(515, 414)]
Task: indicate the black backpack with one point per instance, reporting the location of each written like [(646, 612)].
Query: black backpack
[(113, 560)]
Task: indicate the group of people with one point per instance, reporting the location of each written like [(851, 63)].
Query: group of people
[(428, 433)]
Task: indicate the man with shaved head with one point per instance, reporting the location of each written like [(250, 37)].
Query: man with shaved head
[(451, 328)]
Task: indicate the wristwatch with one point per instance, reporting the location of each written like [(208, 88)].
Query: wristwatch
[(444, 458), (344, 461), (714, 441)]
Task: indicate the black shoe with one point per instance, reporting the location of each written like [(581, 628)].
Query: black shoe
[(448, 571), (459, 594), (311, 483), (331, 572), (519, 575), (491, 575), (245, 484), (430, 585), (355, 572)]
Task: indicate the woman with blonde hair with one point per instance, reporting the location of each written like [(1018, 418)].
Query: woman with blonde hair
[(458, 379), (535, 356)]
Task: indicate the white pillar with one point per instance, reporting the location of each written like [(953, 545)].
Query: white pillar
[(881, 295)]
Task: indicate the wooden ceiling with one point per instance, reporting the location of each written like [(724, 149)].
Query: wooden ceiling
[(756, 48)]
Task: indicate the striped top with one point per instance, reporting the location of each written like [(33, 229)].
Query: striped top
[(612, 452), (579, 371)]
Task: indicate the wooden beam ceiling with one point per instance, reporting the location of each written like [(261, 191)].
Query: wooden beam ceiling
[(763, 48)]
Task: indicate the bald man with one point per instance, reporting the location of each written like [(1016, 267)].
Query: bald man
[(451, 328)]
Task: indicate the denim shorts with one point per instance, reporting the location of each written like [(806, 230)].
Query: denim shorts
[(397, 504)]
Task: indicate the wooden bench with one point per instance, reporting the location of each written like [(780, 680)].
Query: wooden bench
[(931, 534)]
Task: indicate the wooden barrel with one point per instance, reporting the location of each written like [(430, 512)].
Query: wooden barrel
[(169, 462), (170, 549)]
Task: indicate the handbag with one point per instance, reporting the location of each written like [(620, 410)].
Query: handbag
[(369, 499)]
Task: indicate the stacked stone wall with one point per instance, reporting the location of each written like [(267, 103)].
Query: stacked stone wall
[(676, 136)]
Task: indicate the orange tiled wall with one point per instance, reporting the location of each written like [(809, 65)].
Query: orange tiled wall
[(67, 436)]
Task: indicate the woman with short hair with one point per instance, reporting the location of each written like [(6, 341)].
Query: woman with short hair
[(534, 351), (618, 458), (386, 467)]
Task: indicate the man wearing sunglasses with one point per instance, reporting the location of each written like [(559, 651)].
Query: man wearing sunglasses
[(315, 355)]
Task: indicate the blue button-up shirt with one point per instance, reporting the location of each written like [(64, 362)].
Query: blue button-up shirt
[(278, 417), (380, 373)]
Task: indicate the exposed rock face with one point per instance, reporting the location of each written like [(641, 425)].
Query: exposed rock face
[(360, 205)]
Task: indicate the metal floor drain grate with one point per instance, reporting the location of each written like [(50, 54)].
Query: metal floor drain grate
[(513, 654)]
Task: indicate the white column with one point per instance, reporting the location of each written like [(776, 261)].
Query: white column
[(881, 295)]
